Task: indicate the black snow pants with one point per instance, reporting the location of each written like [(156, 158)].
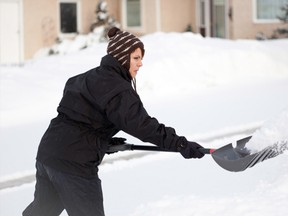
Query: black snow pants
[(56, 191)]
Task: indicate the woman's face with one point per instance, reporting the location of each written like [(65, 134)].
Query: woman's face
[(135, 62)]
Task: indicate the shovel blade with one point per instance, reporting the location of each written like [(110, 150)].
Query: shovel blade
[(239, 158)]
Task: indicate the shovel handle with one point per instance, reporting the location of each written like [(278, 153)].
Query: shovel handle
[(132, 147), (206, 150)]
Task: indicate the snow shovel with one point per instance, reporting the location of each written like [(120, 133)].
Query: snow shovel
[(229, 158)]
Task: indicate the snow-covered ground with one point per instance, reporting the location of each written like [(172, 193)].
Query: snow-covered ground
[(212, 91)]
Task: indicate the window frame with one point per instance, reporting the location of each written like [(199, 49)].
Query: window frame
[(124, 17), (78, 18), (257, 20)]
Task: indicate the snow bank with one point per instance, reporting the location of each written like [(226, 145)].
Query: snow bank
[(273, 131), (183, 63)]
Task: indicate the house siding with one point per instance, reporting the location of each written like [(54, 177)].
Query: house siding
[(88, 14), (243, 25), (42, 23), (166, 16), (39, 25), (149, 16), (177, 15), (113, 7)]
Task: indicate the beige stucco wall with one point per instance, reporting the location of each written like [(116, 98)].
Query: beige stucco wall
[(149, 16), (166, 16), (176, 15), (114, 8), (41, 19), (243, 26), (41, 24), (88, 14)]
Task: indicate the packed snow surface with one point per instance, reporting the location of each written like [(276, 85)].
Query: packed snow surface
[(212, 91)]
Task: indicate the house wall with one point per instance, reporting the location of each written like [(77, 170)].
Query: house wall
[(41, 19), (42, 23), (230, 21), (176, 16), (149, 16), (243, 25), (87, 14), (114, 8), (39, 25), (166, 16)]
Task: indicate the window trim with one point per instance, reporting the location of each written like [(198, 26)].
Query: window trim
[(78, 11), (261, 21), (124, 17)]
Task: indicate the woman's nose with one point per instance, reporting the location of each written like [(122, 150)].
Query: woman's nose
[(140, 64)]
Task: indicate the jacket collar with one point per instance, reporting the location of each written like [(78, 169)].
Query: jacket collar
[(111, 63)]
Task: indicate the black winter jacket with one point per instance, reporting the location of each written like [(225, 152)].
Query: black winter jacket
[(95, 106)]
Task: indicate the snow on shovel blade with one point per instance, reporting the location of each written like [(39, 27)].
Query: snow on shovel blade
[(239, 158)]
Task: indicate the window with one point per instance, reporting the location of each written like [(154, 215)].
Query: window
[(219, 22), (269, 9), (133, 13), (68, 17), (202, 13)]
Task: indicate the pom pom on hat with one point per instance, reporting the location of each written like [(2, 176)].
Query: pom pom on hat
[(112, 32), (122, 44)]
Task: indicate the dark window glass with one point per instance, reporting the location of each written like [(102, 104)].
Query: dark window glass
[(68, 17)]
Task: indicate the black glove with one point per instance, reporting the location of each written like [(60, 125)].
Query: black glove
[(191, 150), (117, 141)]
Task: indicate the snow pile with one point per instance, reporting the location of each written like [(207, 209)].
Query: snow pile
[(68, 46), (172, 67), (273, 131)]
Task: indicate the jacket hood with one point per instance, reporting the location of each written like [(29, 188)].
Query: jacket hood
[(110, 62)]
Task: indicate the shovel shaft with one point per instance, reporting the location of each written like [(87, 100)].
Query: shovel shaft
[(149, 148), (132, 147)]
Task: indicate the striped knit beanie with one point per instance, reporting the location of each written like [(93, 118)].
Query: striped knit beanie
[(122, 44)]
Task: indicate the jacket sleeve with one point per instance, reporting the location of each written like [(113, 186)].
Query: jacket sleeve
[(127, 113)]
